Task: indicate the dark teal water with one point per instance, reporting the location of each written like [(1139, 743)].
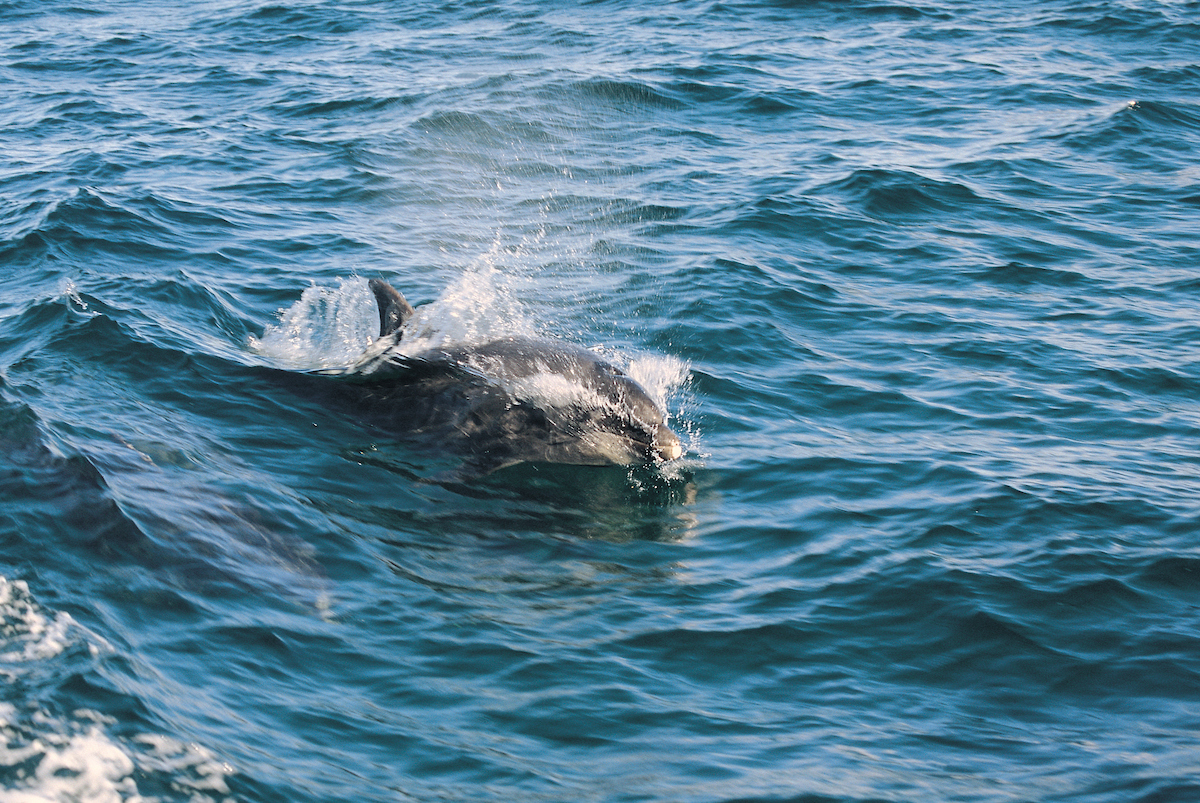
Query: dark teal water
[(919, 285)]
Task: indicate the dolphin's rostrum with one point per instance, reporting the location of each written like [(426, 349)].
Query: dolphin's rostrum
[(505, 401)]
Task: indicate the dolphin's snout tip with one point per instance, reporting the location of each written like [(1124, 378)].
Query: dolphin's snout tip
[(667, 445)]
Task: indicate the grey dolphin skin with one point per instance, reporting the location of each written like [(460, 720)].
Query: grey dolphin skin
[(471, 397)]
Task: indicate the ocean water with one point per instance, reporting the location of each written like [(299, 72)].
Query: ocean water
[(919, 285)]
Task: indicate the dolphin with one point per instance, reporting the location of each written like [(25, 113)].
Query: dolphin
[(505, 401)]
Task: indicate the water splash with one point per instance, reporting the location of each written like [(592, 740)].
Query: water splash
[(73, 298), (330, 327), (661, 376), (482, 305), (327, 327)]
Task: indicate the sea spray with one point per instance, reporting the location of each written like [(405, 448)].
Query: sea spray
[(327, 327), (480, 306)]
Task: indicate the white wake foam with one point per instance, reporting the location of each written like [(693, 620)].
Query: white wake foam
[(52, 759), (26, 633)]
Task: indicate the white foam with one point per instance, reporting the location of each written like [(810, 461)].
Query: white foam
[(26, 633), (87, 767), (74, 762), (197, 763), (51, 759)]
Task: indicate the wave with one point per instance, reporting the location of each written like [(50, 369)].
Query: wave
[(297, 105), (266, 26), (65, 499), (1131, 22), (478, 131), (48, 756), (104, 488), (885, 194), (86, 224), (624, 94), (1018, 275), (1133, 128)]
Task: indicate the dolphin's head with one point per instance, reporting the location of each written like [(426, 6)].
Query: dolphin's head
[(583, 412), (633, 422), (611, 439), (660, 442)]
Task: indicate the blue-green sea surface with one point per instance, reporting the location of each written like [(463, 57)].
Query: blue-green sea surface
[(918, 285)]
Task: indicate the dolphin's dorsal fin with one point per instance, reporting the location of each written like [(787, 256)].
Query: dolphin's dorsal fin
[(394, 309)]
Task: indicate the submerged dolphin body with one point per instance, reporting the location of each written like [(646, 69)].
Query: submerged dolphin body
[(506, 401)]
